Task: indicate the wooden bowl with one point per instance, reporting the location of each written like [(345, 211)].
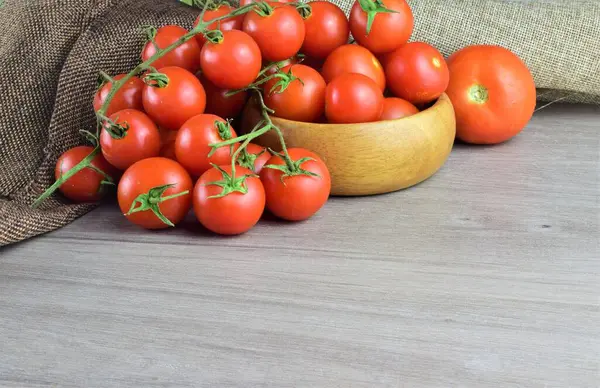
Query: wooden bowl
[(370, 158)]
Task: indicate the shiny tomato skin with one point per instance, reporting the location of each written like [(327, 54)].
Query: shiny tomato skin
[(351, 58), (300, 101), (183, 98), (279, 35), (298, 197), (417, 72), (326, 29), (186, 55), (397, 108), (141, 176), (129, 96), (232, 23), (234, 213), (261, 159), (388, 31), (85, 185), (493, 94), (218, 103), (353, 98), (234, 63), (192, 144)]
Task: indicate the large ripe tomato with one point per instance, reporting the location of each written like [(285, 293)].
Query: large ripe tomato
[(296, 197), (279, 34), (396, 108), (233, 62), (129, 96), (231, 214), (171, 106), (326, 29), (389, 30), (187, 55), (85, 185), (353, 98), (302, 100), (417, 72), (232, 23), (351, 58), (193, 139), (141, 139), (493, 93), (145, 177), (219, 103), (253, 157)]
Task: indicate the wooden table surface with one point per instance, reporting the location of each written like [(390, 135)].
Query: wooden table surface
[(486, 275)]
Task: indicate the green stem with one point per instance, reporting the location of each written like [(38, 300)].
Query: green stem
[(174, 196)]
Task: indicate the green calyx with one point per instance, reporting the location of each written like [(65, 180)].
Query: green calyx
[(304, 10), (116, 131), (156, 79), (248, 160), (291, 168), (229, 183), (263, 8), (372, 8), (151, 200), (285, 79), (214, 36)]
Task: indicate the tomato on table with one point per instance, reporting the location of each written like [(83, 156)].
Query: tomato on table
[(219, 103), (353, 98), (253, 157), (129, 96), (187, 55), (219, 10), (351, 58), (397, 108), (493, 94), (326, 29)]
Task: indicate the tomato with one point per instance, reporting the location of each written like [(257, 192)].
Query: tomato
[(186, 55), (396, 108), (389, 30), (193, 139), (85, 185), (273, 2), (218, 103), (152, 173), (351, 58), (417, 72), (302, 100), (254, 157), (234, 213), (233, 62), (353, 98), (493, 93), (279, 34), (296, 197), (326, 29), (140, 141), (128, 96), (167, 143), (183, 98), (232, 23)]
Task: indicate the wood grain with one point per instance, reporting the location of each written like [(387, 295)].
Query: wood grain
[(485, 275)]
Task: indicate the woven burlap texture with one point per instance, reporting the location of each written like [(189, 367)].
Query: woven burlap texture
[(51, 52)]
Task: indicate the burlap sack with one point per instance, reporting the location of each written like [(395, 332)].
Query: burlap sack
[(51, 51)]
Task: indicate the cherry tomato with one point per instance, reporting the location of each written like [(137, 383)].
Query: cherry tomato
[(351, 58), (389, 30), (326, 29), (187, 55), (493, 94), (302, 100), (152, 173), (193, 139), (167, 143), (128, 96), (396, 108), (140, 141), (273, 2), (219, 103), (254, 158), (279, 34), (183, 98), (233, 62), (85, 185), (353, 98), (417, 72), (232, 23), (296, 197)]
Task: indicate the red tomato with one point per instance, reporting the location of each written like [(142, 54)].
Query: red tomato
[(493, 94), (234, 213), (296, 197), (232, 63), (326, 29), (193, 139), (389, 30), (279, 35), (218, 103), (85, 185), (351, 58), (128, 96), (417, 72), (186, 55), (152, 173), (183, 98), (233, 23), (167, 143), (140, 141), (254, 157), (302, 100), (396, 108), (353, 98), (274, 2)]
